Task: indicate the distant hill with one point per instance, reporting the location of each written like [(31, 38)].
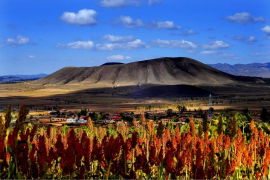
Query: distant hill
[(111, 63), (253, 69), (165, 77), (160, 71), (18, 78)]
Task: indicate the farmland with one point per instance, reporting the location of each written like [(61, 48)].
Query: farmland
[(224, 145), (134, 89)]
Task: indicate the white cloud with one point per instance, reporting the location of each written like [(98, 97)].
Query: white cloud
[(251, 39), (216, 45), (18, 40), (108, 46), (82, 17), (165, 25), (118, 3), (244, 18), (122, 3), (129, 22), (248, 39), (207, 52), (79, 45), (176, 44), (31, 56), (137, 43), (266, 30), (118, 57), (114, 38)]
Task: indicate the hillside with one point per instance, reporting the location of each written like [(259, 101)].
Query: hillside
[(253, 69), (19, 78), (161, 71), (128, 85)]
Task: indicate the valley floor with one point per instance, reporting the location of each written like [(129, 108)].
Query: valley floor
[(131, 98)]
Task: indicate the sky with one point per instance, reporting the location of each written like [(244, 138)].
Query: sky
[(46, 35)]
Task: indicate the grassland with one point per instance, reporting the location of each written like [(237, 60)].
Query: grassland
[(119, 99)]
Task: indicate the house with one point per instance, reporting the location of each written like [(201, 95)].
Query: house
[(71, 120), (58, 119), (108, 121), (77, 121), (84, 117), (116, 118), (81, 121)]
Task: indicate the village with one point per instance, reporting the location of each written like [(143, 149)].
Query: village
[(77, 117)]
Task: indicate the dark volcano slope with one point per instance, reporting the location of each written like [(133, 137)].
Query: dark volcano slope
[(170, 91), (161, 71), (149, 91)]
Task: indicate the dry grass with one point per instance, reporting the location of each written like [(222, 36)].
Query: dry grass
[(26, 89), (72, 96)]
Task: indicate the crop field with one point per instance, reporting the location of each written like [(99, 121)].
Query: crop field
[(224, 146), (135, 89)]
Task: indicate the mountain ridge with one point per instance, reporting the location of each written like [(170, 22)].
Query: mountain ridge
[(251, 69), (19, 78), (159, 71)]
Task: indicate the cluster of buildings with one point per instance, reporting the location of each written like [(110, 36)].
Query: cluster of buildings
[(77, 118)]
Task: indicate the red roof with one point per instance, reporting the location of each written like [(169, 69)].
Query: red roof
[(116, 117)]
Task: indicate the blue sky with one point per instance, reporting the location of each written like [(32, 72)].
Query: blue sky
[(45, 35)]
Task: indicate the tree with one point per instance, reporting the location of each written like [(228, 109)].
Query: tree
[(200, 112), (181, 109), (242, 120), (169, 112), (147, 116), (211, 110), (83, 112), (149, 107), (247, 114), (245, 111), (95, 116), (175, 119)]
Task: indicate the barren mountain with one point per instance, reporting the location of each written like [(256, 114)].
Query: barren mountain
[(18, 78), (128, 85), (161, 71), (253, 69)]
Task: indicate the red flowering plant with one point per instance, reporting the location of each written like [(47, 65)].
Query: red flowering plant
[(162, 152)]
